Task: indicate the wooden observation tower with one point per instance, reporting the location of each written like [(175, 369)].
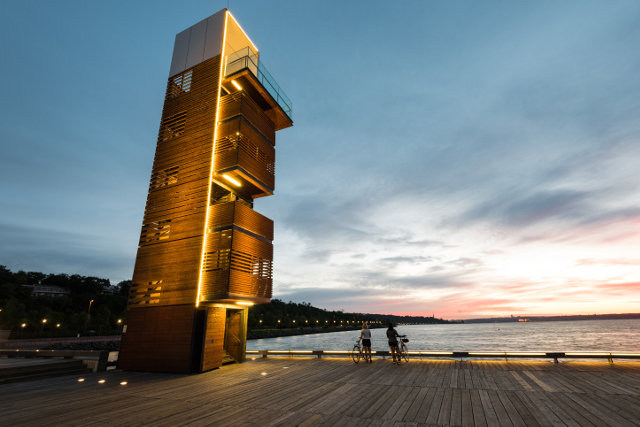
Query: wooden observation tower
[(205, 255)]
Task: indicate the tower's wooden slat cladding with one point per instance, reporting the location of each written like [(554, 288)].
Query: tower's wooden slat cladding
[(204, 254)]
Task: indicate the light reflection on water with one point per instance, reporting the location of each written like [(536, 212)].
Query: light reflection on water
[(585, 335)]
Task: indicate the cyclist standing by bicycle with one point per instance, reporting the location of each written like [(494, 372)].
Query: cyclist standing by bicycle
[(392, 335), (365, 336)]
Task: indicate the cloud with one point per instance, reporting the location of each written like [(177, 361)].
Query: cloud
[(617, 261), (406, 260), (623, 289), (51, 251)]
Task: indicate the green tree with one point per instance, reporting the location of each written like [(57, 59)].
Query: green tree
[(13, 314), (124, 287)]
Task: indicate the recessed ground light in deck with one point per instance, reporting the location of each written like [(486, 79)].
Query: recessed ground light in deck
[(264, 373), (101, 381), (285, 367), (80, 380), (123, 383)]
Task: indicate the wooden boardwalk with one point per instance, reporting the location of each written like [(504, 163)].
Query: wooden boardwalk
[(337, 392)]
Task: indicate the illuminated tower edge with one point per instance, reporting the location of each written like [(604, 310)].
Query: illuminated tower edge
[(205, 255)]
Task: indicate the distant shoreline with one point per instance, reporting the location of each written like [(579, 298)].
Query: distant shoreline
[(621, 316), (258, 334)]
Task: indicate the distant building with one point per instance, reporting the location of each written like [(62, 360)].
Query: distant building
[(111, 290), (48, 291)]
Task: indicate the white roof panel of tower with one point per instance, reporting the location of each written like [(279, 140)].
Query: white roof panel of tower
[(198, 43)]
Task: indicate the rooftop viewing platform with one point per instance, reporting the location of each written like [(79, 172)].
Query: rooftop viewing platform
[(246, 60), (336, 392)]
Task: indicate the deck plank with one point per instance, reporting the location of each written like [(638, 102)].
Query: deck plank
[(445, 407), (466, 408)]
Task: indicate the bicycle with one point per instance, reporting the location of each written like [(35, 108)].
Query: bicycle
[(357, 353), (402, 351)]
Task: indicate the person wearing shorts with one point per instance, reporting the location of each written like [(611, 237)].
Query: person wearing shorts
[(365, 336), (392, 336)]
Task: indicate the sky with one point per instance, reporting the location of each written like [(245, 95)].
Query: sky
[(464, 159)]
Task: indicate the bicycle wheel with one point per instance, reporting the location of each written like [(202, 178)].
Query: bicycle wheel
[(405, 353), (355, 354)]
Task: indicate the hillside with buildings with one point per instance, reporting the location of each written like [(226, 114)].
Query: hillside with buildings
[(36, 304)]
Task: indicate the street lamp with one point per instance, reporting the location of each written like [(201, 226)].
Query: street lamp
[(119, 323), (88, 316), (23, 325), (43, 322)]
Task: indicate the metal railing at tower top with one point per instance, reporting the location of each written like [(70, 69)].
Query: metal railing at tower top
[(245, 58)]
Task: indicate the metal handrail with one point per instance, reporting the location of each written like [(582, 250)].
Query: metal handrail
[(245, 58), (459, 354)]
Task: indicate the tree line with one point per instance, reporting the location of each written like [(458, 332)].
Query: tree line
[(66, 315), (279, 314)]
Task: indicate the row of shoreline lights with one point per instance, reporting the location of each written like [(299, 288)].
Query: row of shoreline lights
[(326, 321), (58, 324), (239, 302)]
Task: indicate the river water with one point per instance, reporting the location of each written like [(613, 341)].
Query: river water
[(582, 335)]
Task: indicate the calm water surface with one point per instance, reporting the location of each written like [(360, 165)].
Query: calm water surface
[(585, 335)]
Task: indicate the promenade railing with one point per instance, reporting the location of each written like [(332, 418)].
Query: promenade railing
[(97, 360), (470, 355)]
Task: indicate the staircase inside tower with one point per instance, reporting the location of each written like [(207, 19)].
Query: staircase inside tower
[(233, 343), (227, 359)]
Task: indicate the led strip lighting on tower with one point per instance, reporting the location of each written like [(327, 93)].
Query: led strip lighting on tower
[(223, 66), (213, 150)]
